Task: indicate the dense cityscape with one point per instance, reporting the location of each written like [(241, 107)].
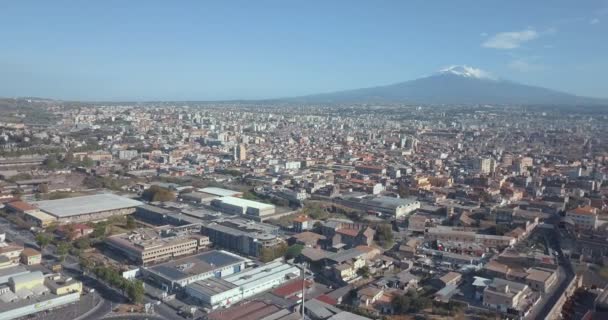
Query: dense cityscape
[(284, 211)]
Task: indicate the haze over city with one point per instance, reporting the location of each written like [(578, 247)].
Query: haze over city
[(314, 160)]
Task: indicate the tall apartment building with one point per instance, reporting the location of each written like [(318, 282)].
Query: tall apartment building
[(487, 165), (240, 152)]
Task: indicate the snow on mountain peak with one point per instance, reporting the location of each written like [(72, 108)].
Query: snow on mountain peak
[(466, 71)]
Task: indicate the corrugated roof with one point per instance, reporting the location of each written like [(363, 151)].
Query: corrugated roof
[(86, 204)]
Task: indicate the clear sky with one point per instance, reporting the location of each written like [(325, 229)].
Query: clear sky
[(250, 49)]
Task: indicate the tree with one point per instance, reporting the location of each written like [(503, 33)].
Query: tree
[(315, 210), (411, 302), (135, 291), (87, 162), (52, 162), (293, 251), (82, 243), (384, 233), (271, 253), (364, 272), (156, 193), (85, 263), (43, 239), (100, 230), (130, 223), (403, 190), (62, 249)]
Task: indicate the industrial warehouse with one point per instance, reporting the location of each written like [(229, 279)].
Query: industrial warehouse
[(214, 292), (179, 273), (87, 208), (254, 209)]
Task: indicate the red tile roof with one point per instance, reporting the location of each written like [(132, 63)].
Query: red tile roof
[(327, 299), (586, 210), (301, 219), (291, 288), (21, 206), (348, 232)]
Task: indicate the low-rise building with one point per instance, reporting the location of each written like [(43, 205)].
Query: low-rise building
[(30, 257), (393, 207), (61, 285), (233, 205), (214, 292), (540, 279), (243, 236), (151, 245), (87, 208), (26, 281), (460, 236), (583, 217), (509, 297), (179, 273)]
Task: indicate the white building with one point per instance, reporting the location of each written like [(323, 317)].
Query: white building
[(583, 217), (215, 292), (233, 205)]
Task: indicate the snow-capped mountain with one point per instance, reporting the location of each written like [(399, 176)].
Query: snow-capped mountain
[(466, 71), (456, 84)]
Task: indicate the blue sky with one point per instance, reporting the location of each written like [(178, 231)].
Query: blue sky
[(204, 50)]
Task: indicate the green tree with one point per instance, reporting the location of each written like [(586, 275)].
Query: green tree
[(85, 263), (87, 162), (293, 251), (63, 248), (364, 272), (271, 253), (99, 231), (52, 162), (156, 193), (82, 243), (135, 291), (43, 239), (130, 224), (384, 232)]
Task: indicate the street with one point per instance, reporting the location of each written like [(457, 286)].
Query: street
[(565, 275)]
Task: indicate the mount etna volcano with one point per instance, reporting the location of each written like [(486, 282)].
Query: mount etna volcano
[(455, 85)]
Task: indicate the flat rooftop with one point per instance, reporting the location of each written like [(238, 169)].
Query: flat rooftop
[(201, 263), (152, 238), (220, 192), (245, 203), (69, 207)]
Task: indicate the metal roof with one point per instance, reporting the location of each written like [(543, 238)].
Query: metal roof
[(86, 204), (202, 263), (245, 203), (219, 191)]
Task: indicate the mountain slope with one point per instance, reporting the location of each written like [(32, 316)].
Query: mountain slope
[(455, 85)]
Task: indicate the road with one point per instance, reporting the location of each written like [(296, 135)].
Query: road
[(542, 309)]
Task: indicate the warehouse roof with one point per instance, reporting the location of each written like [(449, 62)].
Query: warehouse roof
[(220, 192), (194, 265), (86, 204), (211, 286), (262, 273), (245, 203)]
